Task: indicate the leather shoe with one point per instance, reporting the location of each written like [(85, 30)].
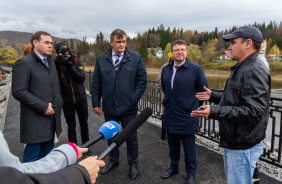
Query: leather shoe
[(109, 167), (133, 172), (190, 180), (170, 172)]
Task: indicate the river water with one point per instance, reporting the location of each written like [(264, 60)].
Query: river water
[(218, 82)]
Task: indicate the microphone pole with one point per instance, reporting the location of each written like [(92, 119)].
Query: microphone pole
[(127, 131)]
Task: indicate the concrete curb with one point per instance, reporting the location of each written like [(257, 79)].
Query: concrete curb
[(3, 116)]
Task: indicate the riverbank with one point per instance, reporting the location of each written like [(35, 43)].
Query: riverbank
[(209, 73), (212, 73)]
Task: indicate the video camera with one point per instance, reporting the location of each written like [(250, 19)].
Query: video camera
[(68, 57)]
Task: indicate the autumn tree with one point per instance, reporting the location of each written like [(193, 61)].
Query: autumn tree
[(154, 40), (8, 54), (209, 53), (274, 53), (194, 53)]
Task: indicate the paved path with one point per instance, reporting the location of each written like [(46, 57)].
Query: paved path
[(153, 153)]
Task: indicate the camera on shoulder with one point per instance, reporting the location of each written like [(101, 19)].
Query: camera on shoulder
[(65, 56)]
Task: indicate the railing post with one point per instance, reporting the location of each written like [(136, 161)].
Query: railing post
[(90, 82)]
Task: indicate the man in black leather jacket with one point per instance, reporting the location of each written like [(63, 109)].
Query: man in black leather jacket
[(243, 107)]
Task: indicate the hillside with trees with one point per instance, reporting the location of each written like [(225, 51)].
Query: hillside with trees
[(203, 47)]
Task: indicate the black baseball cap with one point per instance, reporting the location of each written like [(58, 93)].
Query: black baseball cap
[(246, 32)]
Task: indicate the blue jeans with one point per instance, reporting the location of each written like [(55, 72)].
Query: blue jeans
[(239, 165), (81, 109), (33, 152), (131, 141)]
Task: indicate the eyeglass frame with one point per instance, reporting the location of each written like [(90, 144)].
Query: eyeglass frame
[(179, 50)]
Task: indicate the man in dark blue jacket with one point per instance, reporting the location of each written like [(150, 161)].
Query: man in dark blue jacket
[(120, 78), (181, 80)]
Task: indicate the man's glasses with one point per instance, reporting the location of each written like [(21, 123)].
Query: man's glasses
[(179, 50)]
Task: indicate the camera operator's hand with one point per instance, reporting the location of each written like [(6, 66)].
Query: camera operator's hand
[(69, 64), (59, 60)]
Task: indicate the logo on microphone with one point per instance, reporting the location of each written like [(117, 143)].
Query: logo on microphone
[(109, 125)]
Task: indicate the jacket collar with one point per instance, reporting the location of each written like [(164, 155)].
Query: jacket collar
[(185, 64), (126, 56), (247, 58)]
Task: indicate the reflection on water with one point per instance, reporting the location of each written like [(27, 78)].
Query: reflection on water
[(218, 82)]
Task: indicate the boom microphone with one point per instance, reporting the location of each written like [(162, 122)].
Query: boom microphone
[(127, 131), (107, 131)]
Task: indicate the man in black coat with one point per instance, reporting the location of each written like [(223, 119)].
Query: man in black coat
[(72, 76), (243, 108), (35, 84)]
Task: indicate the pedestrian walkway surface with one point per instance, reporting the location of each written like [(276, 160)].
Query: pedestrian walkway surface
[(153, 153)]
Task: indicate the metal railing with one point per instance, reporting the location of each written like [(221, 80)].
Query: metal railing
[(209, 127)]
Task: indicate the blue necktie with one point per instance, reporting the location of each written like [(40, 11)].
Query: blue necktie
[(117, 62), (45, 62)]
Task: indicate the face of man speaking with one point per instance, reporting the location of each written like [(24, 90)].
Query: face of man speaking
[(43, 46), (118, 44)]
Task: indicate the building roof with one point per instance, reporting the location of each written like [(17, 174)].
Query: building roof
[(227, 53)]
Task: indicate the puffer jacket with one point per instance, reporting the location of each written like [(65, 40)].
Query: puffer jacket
[(244, 109), (122, 89)]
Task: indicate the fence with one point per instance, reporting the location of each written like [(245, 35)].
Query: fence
[(209, 127)]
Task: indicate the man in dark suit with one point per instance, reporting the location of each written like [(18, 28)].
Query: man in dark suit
[(35, 84)]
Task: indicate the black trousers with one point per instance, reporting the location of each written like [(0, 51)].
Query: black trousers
[(188, 142), (131, 142), (81, 109)]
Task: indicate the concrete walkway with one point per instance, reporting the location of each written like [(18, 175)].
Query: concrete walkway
[(153, 153)]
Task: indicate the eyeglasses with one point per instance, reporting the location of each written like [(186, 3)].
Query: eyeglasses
[(179, 50)]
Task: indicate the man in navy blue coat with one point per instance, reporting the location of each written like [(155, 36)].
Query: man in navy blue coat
[(181, 80), (120, 79)]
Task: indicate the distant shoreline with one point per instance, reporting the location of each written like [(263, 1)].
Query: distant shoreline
[(209, 73)]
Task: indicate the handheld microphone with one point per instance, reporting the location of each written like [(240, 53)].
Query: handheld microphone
[(107, 131), (127, 131)]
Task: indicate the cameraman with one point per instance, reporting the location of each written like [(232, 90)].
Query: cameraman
[(71, 76)]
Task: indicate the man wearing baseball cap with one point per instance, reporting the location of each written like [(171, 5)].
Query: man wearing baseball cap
[(243, 108)]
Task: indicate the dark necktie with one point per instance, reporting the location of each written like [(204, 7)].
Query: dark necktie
[(117, 62), (176, 67), (45, 62)]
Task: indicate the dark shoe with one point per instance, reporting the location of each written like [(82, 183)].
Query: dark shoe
[(170, 172), (163, 136), (133, 172), (190, 180), (109, 167), (256, 177)]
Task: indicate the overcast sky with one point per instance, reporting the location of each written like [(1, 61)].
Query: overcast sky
[(76, 19)]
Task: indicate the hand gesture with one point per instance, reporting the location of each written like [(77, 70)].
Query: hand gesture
[(203, 96)]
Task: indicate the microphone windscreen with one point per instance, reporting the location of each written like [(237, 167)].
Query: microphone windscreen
[(109, 129), (132, 126)]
